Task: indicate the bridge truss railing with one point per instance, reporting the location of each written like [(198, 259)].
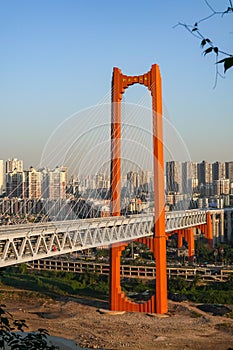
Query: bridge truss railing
[(22, 243), (184, 219)]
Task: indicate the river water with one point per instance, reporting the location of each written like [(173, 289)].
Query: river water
[(64, 344)]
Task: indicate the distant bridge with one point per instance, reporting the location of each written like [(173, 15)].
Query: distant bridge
[(133, 271)]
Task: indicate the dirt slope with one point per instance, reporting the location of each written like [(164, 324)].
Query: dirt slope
[(185, 327)]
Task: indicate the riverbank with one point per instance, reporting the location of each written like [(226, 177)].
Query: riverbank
[(79, 319)]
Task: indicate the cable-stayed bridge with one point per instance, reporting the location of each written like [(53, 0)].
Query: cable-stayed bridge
[(22, 243)]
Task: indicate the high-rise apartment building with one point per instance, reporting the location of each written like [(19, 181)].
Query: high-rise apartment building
[(182, 177), (194, 176), (102, 181), (15, 184), (87, 182), (174, 176), (187, 176), (205, 173), (1, 176), (14, 164), (133, 181), (221, 187), (32, 184), (229, 171), (15, 178), (194, 170), (218, 171), (52, 183), (57, 183), (73, 187), (44, 181), (146, 180)]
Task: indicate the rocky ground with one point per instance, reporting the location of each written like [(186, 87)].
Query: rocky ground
[(185, 326)]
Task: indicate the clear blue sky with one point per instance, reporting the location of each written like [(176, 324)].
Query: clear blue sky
[(57, 58)]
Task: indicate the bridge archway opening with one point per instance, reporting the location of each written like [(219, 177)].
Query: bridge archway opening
[(137, 272), (136, 152), (137, 94)]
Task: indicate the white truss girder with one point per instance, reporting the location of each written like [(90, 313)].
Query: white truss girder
[(184, 219), (22, 243)]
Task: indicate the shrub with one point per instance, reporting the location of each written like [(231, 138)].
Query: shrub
[(19, 341)]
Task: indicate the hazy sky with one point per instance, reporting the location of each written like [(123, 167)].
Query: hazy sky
[(57, 58)]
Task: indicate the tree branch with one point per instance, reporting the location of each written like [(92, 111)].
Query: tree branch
[(207, 44)]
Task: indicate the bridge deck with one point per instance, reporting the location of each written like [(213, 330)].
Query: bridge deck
[(22, 243)]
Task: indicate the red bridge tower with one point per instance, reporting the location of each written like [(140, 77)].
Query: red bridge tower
[(157, 243)]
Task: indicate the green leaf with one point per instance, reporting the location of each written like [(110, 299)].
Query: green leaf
[(203, 43), (43, 331), (229, 9), (208, 51), (5, 321), (228, 63)]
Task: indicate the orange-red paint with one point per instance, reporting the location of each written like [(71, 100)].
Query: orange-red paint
[(157, 244), (180, 240), (209, 231), (191, 243)]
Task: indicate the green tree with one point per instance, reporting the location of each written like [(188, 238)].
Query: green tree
[(203, 252)]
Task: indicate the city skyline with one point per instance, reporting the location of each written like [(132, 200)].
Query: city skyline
[(40, 194), (13, 163), (176, 172), (56, 61)]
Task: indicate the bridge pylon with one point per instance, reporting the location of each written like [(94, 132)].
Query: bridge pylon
[(157, 244)]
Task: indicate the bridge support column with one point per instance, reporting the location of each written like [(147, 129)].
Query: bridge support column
[(186, 235), (222, 237), (115, 278), (191, 244), (180, 239), (213, 219), (209, 230), (229, 226), (161, 275)]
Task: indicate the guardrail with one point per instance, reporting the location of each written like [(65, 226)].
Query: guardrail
[(131, 271)]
